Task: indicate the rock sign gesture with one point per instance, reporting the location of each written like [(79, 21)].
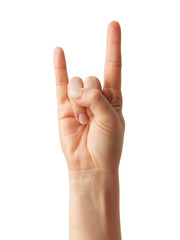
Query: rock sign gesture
[(91, 124)]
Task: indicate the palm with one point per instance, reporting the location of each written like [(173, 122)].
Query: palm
[(91, 145), (73, 138)]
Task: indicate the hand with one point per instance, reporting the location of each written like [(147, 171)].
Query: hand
[(91, 124)]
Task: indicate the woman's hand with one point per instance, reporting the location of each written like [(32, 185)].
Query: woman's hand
[(91, 124), (91, 128)]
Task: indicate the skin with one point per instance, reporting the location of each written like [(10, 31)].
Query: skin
[(91, 130)]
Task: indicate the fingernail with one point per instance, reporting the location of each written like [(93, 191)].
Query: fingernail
[(76, 93), (83, 118)]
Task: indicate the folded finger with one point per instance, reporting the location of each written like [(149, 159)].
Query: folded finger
[(93, 83), (79, 111)]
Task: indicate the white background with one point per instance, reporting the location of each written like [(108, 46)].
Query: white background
[(33, 171)]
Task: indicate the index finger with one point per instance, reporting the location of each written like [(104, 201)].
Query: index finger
[(112, 66), (60, 74)]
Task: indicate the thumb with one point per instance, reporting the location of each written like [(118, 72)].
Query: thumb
[(96, 101)]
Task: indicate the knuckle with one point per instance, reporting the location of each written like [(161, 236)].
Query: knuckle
[(113, 63), (75, 79), (91, 78), (61, 67), (75, 82), (92, 82)]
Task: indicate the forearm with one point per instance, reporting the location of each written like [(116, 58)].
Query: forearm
[(94, 206)]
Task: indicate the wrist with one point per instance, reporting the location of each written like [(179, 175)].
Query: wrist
[(94, 205), (92, 181)]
